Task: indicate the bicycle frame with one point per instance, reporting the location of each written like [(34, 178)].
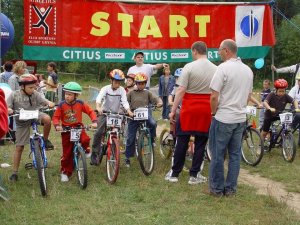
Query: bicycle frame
[(37, 136)]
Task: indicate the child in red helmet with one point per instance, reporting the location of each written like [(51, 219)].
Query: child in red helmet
[(275, 103)]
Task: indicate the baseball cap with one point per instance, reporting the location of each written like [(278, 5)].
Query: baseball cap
[(138, 53)]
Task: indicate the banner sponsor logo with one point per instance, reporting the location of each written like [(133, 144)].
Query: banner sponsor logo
[(180, 55), (115, 55), (249, 25)]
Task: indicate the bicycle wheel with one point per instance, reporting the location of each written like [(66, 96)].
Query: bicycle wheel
[(166, 145), (252, 147), (288, 147), (39, 163), (113, 161), (81, 167), (207, 152), (145, 153)]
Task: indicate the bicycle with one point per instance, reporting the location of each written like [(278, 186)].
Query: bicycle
[(37, 146), (79, 157), (110, 145), (252, 143), (280, 134), (144, 145)]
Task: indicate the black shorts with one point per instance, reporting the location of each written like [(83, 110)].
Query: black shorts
[(267, 123)]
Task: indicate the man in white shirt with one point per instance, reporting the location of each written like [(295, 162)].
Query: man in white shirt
[(294, 69), (231, 90), (147, 69)]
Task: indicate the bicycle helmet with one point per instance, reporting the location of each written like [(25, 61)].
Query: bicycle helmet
[(281, 83), (27, 79), (131, 75), (140, 77), (73, 87), (117, 74), (178, 72)]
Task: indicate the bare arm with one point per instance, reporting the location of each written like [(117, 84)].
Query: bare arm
[(214, 101)]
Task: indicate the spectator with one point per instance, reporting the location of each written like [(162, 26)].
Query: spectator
[(231, 90), (294, 69), (264, 93), (193, 90), (166, 85), (4, 77), (147, 69), (52, 82), (18, 69)]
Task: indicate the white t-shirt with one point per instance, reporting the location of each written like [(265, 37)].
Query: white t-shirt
[(295, 93), (147, 69), (290, 69), (196, 76), (234, 82)]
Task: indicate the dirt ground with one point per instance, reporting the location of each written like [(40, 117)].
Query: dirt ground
[(265, 186)]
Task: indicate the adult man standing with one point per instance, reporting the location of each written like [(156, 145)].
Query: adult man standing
[(231, 90), (195, 115), (294, 69), (147, 69)]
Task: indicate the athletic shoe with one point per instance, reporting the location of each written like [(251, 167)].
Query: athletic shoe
[(13, 177), (196, 180), (48, 145), (168, 175), (88, 155), (204, 179), (64, 178)]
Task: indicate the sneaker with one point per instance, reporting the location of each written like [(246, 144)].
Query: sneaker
[(64, 178), (168, 175), (173, 179), (48, 145), (202, 177), (127, 163), (13, 177), (196, 180), (94, 159), (88, 155)]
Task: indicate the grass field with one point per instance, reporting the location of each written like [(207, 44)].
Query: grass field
[(137, 199)]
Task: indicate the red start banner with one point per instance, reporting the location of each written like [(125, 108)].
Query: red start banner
[(86, 30)]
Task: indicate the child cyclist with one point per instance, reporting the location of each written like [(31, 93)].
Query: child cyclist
[(130, 85), (69, 114), (275, 103), (29, 99), (137, 98), (110, 98)]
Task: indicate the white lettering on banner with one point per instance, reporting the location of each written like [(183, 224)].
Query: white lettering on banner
[(78, 54), (212, 55), (115, 55), (154, 56), (183, 55)]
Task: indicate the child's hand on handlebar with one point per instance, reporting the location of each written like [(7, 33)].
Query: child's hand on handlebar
[(159, 105), (130, 113), (272, 110), (58, 128)]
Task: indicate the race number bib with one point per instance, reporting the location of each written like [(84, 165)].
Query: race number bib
[(251, 110), (28, 114), (286, 118), (113, 121), (140, 114), (75, 135)]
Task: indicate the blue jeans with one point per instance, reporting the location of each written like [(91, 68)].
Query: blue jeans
[(225, 137), (132, 129), (166, 107)]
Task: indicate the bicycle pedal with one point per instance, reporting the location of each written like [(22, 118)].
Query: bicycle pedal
[(28, 166)]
